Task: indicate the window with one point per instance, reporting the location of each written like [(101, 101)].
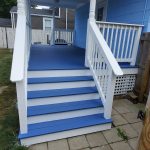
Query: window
[(101, 10), (100, 14), (47, 24)]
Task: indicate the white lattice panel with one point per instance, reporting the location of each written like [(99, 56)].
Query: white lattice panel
[(124, 84)]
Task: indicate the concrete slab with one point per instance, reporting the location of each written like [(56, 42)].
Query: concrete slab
[(78, 142), (131, 133), (137, 126), (42, 146), (112, 135), (105, 147), (58, 145), (131, 117), (133, 143), (96, 139), (118, 120), (120, 146)]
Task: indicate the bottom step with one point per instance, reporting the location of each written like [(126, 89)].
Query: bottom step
[(53, 130)]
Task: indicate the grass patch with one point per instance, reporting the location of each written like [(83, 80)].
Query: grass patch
[(5, 67), (122, 134), (9, 121)]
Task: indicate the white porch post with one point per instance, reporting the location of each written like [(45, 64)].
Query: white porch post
[(91, 18), (21, 85)]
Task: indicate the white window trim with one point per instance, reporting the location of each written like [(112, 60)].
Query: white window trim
[(46, 18)]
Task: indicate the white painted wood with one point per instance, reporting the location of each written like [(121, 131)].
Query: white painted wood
[(20, 61), (136, 45), (130, 71), (125, 43), (65, 134), (109, 95), (64, 115), (22, 105), (60, 85), (63, 36), (58, 73), (64, 99), (103, 66), (92, 10)]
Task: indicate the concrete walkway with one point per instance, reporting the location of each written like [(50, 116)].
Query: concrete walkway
[(124, 117)]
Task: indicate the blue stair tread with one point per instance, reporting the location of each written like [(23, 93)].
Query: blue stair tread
[(64, 125), (127, 65), (61, 92), (59, 79), (63, 107)]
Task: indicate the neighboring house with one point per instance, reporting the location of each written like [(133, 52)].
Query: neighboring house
[(68, 90), (42, 19), (5, 22)]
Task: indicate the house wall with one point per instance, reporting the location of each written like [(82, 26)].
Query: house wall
[(81, 18), (61, 22), (37, 21), (129, 11)]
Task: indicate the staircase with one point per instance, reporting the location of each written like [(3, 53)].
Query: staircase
[(61, 104)]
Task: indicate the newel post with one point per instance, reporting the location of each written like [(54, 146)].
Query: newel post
[(21, 86), (91, 19), (110, 94)]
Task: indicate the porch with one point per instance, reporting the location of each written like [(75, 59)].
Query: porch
[(56, 57)]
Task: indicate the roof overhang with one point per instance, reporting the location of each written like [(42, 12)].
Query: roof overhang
[(73, 4)]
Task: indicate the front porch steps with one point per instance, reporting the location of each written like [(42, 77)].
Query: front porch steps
[(62, 106), (53, 130)]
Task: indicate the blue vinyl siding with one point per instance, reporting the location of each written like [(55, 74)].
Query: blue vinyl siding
[(129, 11), (81, 18)]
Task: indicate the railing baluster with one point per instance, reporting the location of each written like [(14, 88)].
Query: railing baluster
[(131, 44), (115, 41), (121, 39), (123, 43), (111, 39), (127, 45), (119, 43)]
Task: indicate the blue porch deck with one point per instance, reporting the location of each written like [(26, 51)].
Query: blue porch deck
[(56, 57), (59, 57)]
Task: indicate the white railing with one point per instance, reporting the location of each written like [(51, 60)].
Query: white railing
[(103, 65), (63, 36), (20, 64), (123, 39)]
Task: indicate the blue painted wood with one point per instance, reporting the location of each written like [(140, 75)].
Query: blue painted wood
[(135, 12), (61, 92), (63, 107), (127, 65), (64, 125), (59, 79), (57, 57), (81, 18)]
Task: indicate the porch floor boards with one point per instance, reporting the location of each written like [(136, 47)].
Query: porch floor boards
[(56, 57)]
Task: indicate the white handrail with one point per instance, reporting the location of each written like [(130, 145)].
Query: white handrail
[(103, 66), (122, 24), (106, 50), (17, 70)]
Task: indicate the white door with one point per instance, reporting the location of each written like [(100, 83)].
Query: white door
[(47, 24)]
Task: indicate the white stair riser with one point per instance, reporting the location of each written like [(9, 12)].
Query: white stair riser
[(64, 134), (62, 99), (64, 115), (58, 73), (60, 85)]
